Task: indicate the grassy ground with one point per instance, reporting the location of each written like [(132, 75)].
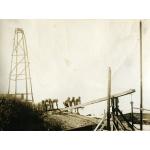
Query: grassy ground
[(16, 115)]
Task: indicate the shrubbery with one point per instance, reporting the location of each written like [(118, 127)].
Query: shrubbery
[(18, 115)]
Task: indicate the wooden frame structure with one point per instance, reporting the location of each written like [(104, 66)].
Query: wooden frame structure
[(115, 122), (20, 70)]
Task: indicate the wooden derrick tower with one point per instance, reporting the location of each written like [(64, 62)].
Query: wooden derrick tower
[(19, 78)]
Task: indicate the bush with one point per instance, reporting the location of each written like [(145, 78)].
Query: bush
[(16, 115)]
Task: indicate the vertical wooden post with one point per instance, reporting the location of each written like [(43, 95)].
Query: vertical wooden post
[(116, 109), (109, 98), (113, 111), (132, 113), (141, 80)]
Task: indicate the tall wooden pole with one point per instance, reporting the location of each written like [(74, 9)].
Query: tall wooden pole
[(141, 80), (109, 98)]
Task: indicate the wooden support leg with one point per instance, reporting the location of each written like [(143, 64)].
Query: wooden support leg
[(116, 101), (57, 105), (132, 113), (113, 112)]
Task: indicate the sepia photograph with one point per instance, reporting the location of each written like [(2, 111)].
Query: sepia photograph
[(74, 75)]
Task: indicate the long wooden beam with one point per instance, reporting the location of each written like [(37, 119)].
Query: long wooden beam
[(99, 100)]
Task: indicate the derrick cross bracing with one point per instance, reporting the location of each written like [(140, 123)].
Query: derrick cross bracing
[(99, 100), (19, 77)]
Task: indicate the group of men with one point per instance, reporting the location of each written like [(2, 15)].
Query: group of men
[(72, 102), (48, 105), (52, 104)]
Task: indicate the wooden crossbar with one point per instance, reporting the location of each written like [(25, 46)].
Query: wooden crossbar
[(99, 100)]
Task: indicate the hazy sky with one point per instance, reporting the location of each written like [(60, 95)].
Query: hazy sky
[(71, 58)]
